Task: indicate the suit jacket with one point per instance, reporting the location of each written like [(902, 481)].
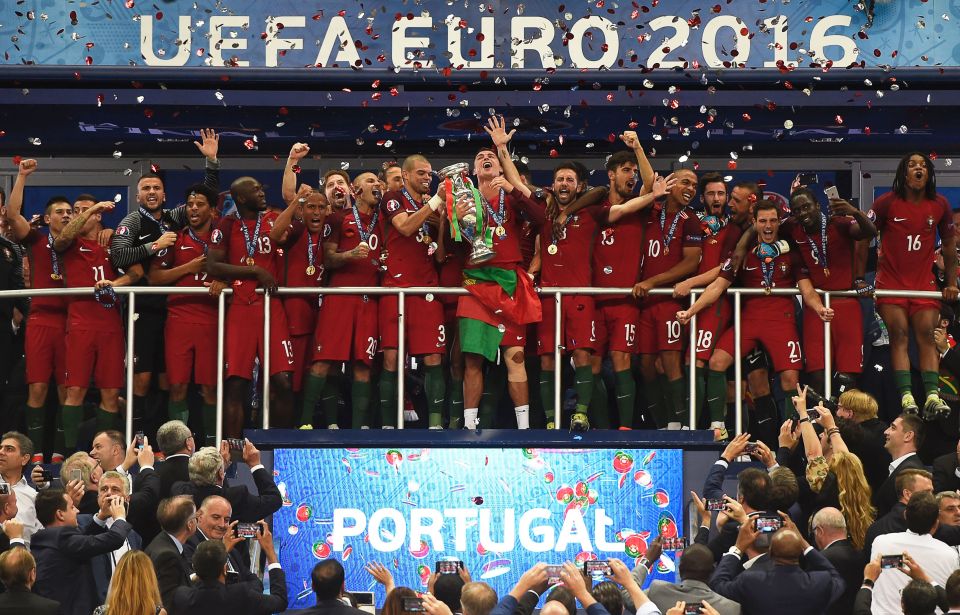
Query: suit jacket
[(64, 556), (849, 563), (88, 503), (142, 513), (215, 598), (173, 570), (944, 473), (172, 470), (22, 601), (781, 589), (870, 450), (665, 595), (331, 607), (886, 496), (102, 565), (247, 507), (234, 557), (894, 521)]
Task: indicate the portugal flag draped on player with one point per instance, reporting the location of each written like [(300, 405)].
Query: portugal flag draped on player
[(507, 295)]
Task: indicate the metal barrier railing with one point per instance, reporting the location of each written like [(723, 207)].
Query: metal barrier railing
[(402, 293)]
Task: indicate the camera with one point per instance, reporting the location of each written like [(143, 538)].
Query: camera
[(46, 476), (767, 523), (139, 441), (413, 605), (236, 448), (891, 561), (715, 505), (806, 179), (692, 609), (750, 448), (4, 488), (446, 566), (76, 474), (248, 530), (553, 574), (597, 567), (678, 543), (814, 398)]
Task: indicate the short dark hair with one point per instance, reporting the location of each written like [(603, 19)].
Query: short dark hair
[(175, 513), (922, 512), (785, 491), (696, 563), (565, 597), (908, 476), (918, 598), (54, 200), (48, 502), (765, 204), (608, 594), (86, 196), (203, 190), (115, 436), (803, 191), (570, 166), (618, 159), (149, 176), (710, 178), (953, 589), (755, 486), (912, 422), (327, 579), (753, 187), (24, 443), (331, 173), (209, 559), (447, 590), (15, 567)]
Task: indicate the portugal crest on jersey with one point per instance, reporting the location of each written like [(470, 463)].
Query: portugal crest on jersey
[(393, 205), (123, 231), (216, 236)]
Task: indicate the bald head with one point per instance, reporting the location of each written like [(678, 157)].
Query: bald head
[(553, 607), (786, 547), (828, 525), (248, 194)]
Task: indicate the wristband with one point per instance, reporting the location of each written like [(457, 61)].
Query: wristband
[(435, 202), (805, 419), (868, 583), (832, 431), (645, 563)]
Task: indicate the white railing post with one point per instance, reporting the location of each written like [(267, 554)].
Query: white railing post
[(557, 358), (827, 354), (737, 367), (693, 365), (131, 319), (221, 319), (265, 361), (401, 358)]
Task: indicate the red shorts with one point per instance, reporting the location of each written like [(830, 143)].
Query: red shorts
[(577, 328), (912, 306), (659, 329), (44, 349), (617, 321), (777, 336), (514, 334), (711, 322), (190, 345), (846, 337), (425, 330), (244, 343), (347, 329), (97, 354)]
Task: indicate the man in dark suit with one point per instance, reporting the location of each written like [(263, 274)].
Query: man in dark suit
[(945, 472), (176, 442), (12, 529), (213, 595), (904, 437), (213, 523), (18, 571), (327, 580), (178, 522), (64, 554), (829, 530), (908, 482), (206, 478), (783, 588)]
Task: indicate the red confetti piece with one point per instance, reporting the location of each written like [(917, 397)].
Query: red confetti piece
[(553, 154), (129, 4), (296, 168), (148, 113), (732, 165), (16, 161), (159, 15), (249, 144), (89, 61), (866, 130), (932, 156), (73, 18), (154, 168), (746, 117)]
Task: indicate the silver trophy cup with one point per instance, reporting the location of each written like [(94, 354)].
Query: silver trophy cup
[(479, 252)]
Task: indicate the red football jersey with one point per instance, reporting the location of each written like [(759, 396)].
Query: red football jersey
[(661, 249), (190, 309), (616, 263), (408, 261), (294, 255), (528, 243), (347, 235), (85, 263), (229, 237), (837, 256), (788, 269), (718, 248), (40, 251), (514, 207), (908, 236), (570, 265)]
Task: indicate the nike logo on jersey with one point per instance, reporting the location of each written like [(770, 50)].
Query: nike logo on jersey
[(186, 247), (899, 219), (82, 249), (751, 268), (142, 237)]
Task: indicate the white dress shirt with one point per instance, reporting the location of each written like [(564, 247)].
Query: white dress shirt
[(896, 462), (936, 558), (26, 509)]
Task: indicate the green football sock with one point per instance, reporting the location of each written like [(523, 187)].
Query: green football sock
[(716, 393), (178, 410), (312, 389), (931, 383), (434, 384), (902, 380), (626, 396), (360, 394), (583, 385), (106, 420), (71, 416), (701, 383), (388, 398), (675, 396), (599, 406), (456, 404), (330, 400), (547, 380), (654, 392), (35, 418)]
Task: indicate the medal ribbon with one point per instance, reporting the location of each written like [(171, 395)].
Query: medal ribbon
[(555, 233), (822, 258), (146, 214), (197, 239), (673, 226), (364, 232), (425, 229), (54, 259), (310, 257), (251, 244)]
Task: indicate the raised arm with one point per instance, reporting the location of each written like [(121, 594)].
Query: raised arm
[(811, 443), (293, 210), (75, 226), (209, 146), (289, 186), (14, 215), (496, 128), (660, 186), (646, 171), (708, 298)]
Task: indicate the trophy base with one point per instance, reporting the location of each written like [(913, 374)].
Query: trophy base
[(479, 259)]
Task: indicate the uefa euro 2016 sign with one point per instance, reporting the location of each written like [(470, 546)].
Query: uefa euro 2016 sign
[(499, 511), (433, 35)]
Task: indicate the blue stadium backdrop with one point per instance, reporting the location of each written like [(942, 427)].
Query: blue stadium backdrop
[(498, 510)]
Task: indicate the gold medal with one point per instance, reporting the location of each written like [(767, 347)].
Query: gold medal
[(311, 270), (501, 231), (767, 290), (826, 271), (250, 261), (426, 239), (56, 277), (666, 250), (552, 249)]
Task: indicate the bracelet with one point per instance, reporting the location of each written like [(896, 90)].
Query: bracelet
[(868, 583), (805, 419), (645, 563), (833, 430)]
